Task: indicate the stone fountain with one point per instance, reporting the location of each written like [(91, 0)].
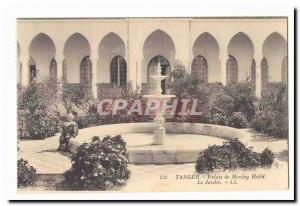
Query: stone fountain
[(159, 131)]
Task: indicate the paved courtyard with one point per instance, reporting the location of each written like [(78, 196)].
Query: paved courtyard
[(43, 155)]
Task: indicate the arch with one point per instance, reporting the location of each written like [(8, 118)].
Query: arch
[(200, 68), (110, 46), (76, 48), (86, 72), (53, 69), (207, 46), (274, 50), (42, 50), (118, 71), (158, 43), (231, 70), (241, 48), (153, 70)]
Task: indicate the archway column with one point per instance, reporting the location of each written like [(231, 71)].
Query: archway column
[(25, 71), (59, 63), (258, 56), (223, 56), (95, 62)]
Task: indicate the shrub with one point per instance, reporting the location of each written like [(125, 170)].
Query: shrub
[(244, 98), (37, 109), (40, 125), (238, 120), (77, 95), (98, 165), (267, 157), (188, 85), (232, 154), (26, 174), (218, 116), (271, 115), (226, 103)]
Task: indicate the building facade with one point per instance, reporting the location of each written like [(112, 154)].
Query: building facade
[(118, 50)]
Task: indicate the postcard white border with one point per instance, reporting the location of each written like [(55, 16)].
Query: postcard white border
[(119, 8)]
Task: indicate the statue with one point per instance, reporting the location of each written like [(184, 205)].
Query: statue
[(69, 130)]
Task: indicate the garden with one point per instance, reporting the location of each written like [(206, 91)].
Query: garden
[(102, 164)]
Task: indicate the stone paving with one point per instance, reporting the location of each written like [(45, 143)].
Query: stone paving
[(43, 155)]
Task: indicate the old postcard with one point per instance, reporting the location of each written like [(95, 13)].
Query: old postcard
[(152, 104)]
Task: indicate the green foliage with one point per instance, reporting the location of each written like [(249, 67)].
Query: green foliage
[(218, 116), (26, 174), (238, 120), (40, 125), (37, 109), (188, 86), (271, 115), (225, 103), (232, 154), (77, 96), (98, 165), (244, 98)]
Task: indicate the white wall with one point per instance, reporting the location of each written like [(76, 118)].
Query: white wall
[(274, 50), (42, 50), (76, 48), (241, 47), (134, 32), (207, 46), (110, 46)]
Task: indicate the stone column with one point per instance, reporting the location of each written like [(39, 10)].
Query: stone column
[(223, 56), (95, 62), (59, 62), (25, 71), (134, 55), (258, 56), (59, 67)]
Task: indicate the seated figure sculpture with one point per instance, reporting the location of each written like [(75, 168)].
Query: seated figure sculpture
[(69, 130)]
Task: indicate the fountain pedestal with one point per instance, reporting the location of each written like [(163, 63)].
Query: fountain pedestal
[(159, 132), (159, 136)]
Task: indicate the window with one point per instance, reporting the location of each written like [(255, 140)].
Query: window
[(199, 68), (53, 69), (32, 69), (231, 70), (118, 71), (165, 70), (86, 71)]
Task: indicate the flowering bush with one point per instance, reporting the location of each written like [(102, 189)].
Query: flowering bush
[(243, 97), (232, 154), (37, 111), (271, 115), (238, 120), (40, 125), (98, 165), (218, 116), (26, 174)]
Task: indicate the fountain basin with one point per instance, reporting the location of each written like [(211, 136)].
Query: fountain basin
[(159, 97), (182, 144)]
